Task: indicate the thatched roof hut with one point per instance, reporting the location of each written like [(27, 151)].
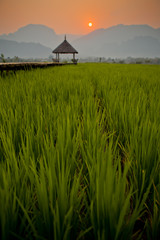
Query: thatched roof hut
[(64, 48)]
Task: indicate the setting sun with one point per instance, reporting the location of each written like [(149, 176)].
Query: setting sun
[(90, 24)]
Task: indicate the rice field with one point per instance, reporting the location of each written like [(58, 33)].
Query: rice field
[(80, 153)]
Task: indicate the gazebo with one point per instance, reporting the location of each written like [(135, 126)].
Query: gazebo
[(65, 48)]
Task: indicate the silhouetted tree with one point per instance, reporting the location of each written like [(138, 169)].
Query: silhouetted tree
[(2, 58)]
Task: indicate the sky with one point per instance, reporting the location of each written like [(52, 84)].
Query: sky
[(73, 16)]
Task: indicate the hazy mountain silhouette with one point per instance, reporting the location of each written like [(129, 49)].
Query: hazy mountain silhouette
[(23, 50), (38, 34), (116, 41), (136, 47), (121, 41)]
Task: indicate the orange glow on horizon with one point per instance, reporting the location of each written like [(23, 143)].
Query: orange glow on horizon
[(75, 17)]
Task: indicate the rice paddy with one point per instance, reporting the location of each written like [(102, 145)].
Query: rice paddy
[(80, 153)]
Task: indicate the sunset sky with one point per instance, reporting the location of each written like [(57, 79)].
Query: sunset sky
[(73, 16)]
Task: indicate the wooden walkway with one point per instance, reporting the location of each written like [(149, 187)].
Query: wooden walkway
[(27, 65)]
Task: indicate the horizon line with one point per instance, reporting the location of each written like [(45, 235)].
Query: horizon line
[(119, 24)]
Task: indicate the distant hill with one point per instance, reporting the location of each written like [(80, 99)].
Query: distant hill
[(38, 34), (117, 41), (24, 50), (136, 47), (121, 41)]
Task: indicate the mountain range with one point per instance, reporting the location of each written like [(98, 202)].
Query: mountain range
[(118, 41)]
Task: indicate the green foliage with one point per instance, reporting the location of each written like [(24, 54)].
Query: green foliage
[(79, 153), (2, 58)]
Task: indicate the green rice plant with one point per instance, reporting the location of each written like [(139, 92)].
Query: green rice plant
[(153, 221), (129, 116), (109, 193), (79, 153), (56, 182), (13, 222), (129, 110)]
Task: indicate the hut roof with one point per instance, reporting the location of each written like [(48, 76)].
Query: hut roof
[(64, 47)]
